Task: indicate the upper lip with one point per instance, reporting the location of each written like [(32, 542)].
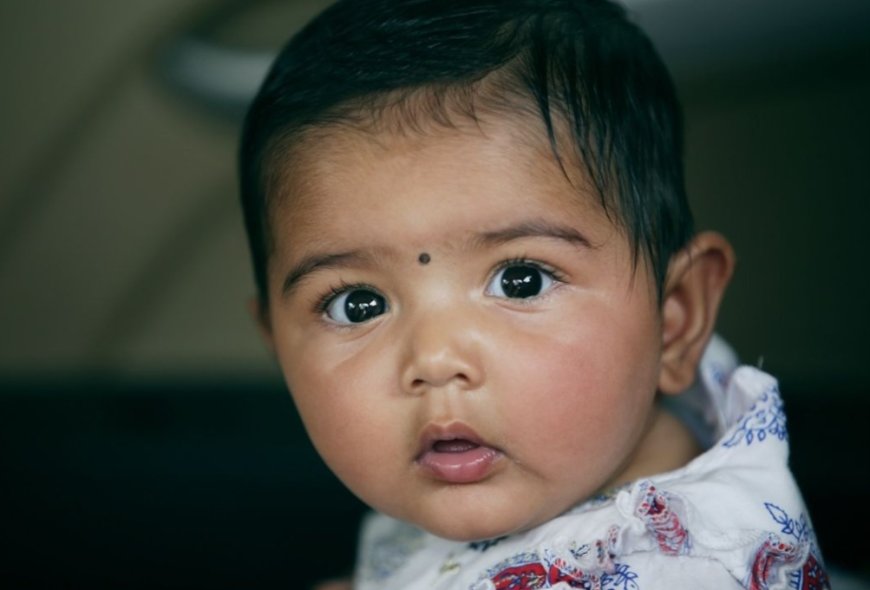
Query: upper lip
[(452, 431)]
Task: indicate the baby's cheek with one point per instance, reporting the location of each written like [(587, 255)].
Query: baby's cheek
[(351, 422), (581, 394)]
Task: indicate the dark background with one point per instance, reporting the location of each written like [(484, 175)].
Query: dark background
[(196, 485)]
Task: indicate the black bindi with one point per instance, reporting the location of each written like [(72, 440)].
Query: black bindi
[(424, 258)]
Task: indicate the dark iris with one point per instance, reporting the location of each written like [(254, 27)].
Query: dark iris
[(362, 305), (521, 282)]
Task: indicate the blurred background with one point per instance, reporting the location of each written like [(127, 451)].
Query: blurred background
[(146, 439)]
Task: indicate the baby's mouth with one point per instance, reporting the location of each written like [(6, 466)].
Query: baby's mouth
[(456, 454), (458, 445)]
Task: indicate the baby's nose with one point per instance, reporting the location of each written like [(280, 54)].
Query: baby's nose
[(442, 351)]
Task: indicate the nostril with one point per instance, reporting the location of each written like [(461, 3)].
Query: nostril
[(437, 365), (424, 383)]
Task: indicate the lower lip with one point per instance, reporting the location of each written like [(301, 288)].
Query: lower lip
[(468, 466)]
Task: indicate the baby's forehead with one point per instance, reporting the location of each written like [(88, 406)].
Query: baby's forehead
[(519, 140), (382, 174)]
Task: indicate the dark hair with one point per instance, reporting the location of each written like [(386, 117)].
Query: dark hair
[(577, 65)]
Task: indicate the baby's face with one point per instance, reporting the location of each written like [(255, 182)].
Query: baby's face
[(464, 335)]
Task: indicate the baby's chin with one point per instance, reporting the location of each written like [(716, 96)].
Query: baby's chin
[(469, 534), (467, 527), (503, 505)]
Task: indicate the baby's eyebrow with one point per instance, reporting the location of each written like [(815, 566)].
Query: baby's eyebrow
[(527, 229), (318, 261), (536, 228)]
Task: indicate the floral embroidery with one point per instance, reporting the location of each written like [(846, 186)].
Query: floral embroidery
[(765, 418), (590, 567), (518, 572), (775, 553), (799, 529), (663, 522), (772, 554), (622, 578), (529, 571), (811, 576)]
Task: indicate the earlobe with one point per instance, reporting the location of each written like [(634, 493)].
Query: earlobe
[(259, 311), (696, 281)]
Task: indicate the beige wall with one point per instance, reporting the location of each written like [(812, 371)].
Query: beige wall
[(778, 160), (120, 240)]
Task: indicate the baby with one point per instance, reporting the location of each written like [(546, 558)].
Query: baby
[(477, 271)]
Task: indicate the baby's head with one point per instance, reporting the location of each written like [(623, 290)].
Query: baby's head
[(474, 254)]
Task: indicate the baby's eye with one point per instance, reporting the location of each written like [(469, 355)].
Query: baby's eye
[(354, 306), (520, 280)]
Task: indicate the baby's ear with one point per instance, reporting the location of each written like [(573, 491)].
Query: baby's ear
[(696, 281), (259, 311)]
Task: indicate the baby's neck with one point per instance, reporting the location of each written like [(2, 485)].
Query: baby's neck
[(666, 445)]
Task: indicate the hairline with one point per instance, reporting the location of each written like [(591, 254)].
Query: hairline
[(386, 113), (631, 151)]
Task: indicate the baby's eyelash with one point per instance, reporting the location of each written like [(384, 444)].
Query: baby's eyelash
[(322, 303), (555, 273)]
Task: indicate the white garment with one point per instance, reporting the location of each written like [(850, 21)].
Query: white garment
[(731, 518)]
